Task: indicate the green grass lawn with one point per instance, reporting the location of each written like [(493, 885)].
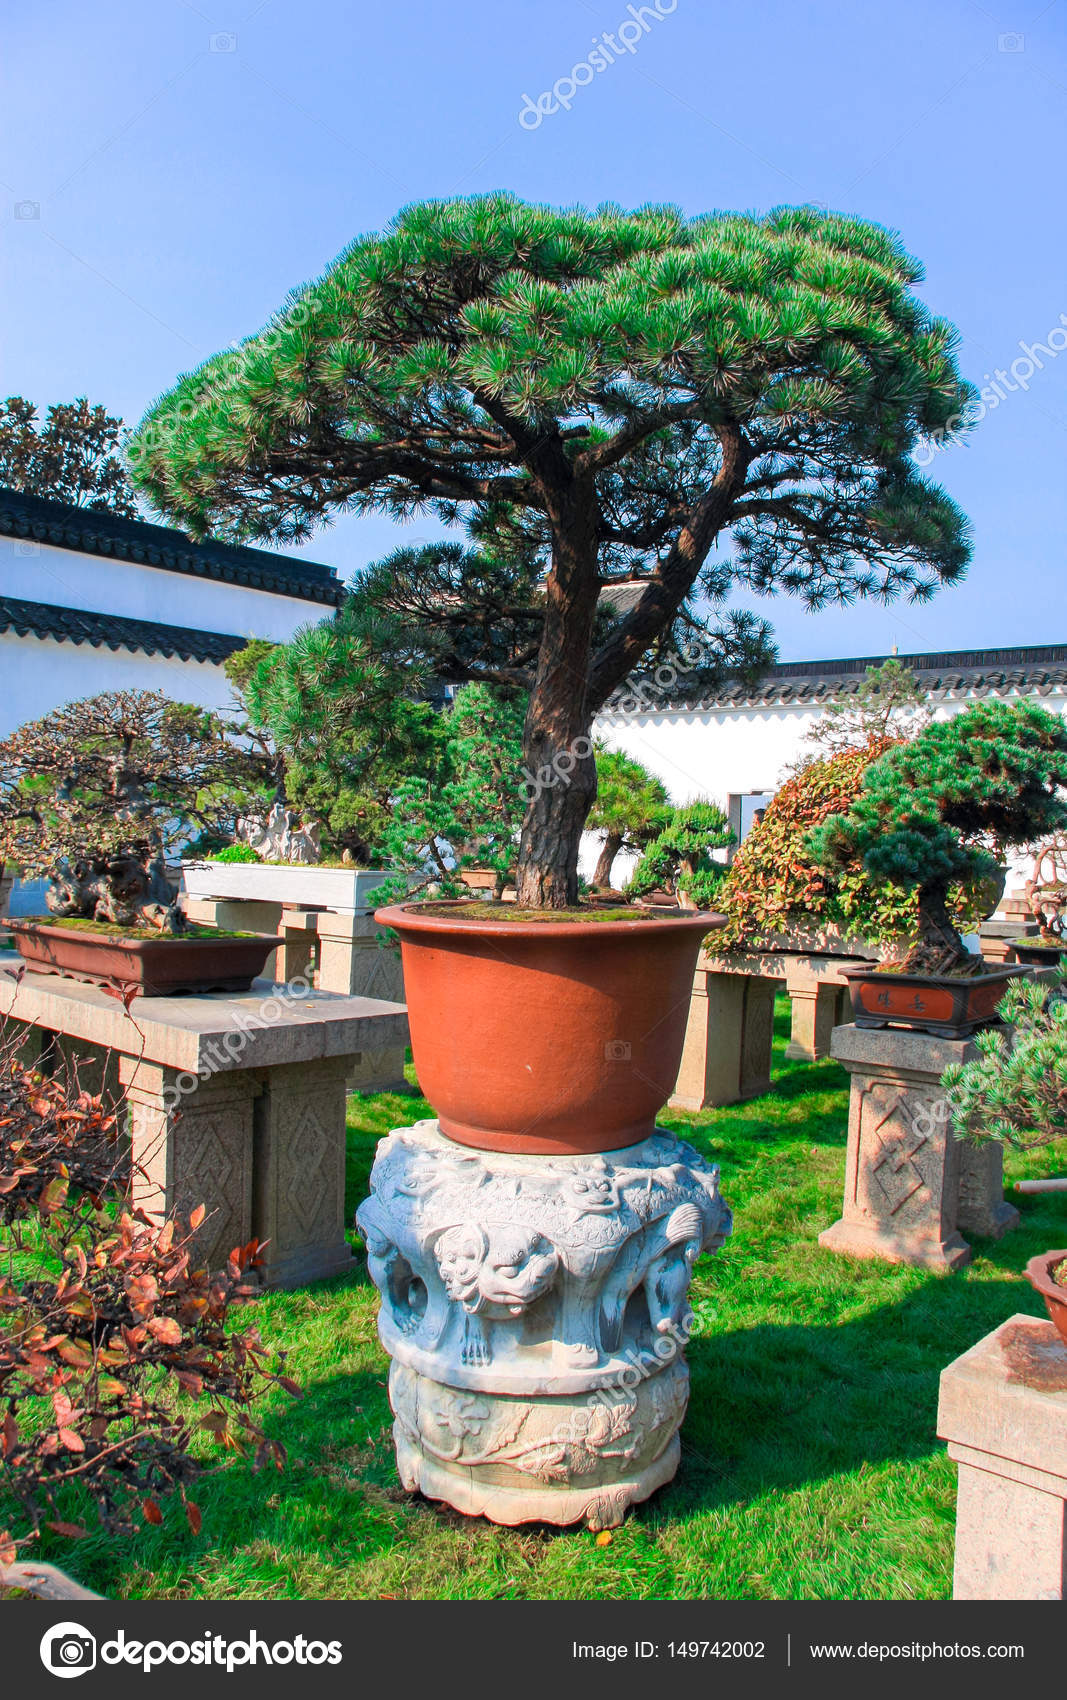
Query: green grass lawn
[(810, 1464)]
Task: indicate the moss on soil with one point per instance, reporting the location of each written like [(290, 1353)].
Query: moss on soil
[(107, 929), (511, 912)]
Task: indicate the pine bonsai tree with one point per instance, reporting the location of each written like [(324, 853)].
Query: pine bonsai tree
[(337, 709), (464, 809), (93, 795), (1015, 1089), (595, 397), (73, 457), (679, 857), (630, 809), (945, 806)]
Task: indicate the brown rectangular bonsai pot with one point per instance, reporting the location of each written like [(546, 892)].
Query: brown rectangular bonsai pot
[(950, 1006), (157, 967)]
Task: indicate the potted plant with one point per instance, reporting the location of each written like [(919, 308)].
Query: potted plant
[(1015, 1092), (598, 397), (91, 797), (679, 859), (939, 809), (777, 896), (1046, 894)]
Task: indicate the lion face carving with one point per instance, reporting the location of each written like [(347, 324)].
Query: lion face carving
[(497, 1271)]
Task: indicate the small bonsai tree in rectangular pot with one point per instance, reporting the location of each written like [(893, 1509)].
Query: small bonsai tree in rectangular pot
[(91, 798), (939, 810)]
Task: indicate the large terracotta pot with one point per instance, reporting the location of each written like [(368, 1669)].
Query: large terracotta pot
[(547, 1036)]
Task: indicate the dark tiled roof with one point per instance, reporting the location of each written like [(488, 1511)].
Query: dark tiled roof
[(37, 519), (1037, 669), (114, 631)]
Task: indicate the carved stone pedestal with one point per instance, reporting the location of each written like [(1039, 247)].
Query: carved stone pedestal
[(536, 1311), (727, 1053), (910, 1184)]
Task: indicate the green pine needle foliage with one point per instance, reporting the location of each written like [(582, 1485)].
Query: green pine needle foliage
[(679, 857), (1015, 1090)]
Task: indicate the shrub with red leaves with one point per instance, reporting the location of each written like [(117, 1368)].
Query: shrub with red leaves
[(115, 1347)]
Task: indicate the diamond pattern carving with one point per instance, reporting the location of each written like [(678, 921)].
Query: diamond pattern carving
[(307, 1186), (894, 1168)]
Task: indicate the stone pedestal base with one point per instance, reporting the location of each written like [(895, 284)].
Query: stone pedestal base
[(727, 1052), (1003, 1411), (536, 1311), (910, 1184)]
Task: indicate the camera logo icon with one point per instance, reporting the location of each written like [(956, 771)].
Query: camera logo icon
[(224, 41), (1011, 42), (68, 1649), (27, 209), (617, 1050)]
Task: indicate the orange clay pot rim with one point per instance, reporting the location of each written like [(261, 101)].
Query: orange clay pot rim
[(1039, 1274), (406, 916)]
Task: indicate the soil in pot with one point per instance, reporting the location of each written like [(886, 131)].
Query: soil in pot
[(547, 1030), (1047, 1274), (201, 960)]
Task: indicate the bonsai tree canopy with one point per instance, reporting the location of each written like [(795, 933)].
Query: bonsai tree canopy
[(596, 397), (94, 794), (1015, 1089), (679, 857), (945, 806)]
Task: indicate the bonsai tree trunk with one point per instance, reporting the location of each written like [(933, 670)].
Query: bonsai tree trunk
[(557, 747), (122, 891), (606, 860), (939, 948)]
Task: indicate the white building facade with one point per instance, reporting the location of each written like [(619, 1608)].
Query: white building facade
[(90, 602), (734, 747)]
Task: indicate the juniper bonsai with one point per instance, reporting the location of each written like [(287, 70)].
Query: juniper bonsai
[(596, 397), (94, 794), (944, 807), (1015, 1089)]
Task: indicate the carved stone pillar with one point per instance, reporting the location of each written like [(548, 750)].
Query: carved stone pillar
[(910, 1184), (298, 1194), (814, 1007), (536, 1311)]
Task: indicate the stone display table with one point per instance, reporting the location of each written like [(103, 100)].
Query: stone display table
[(235, 1101), (727, 1053), (536, 1312), (1003, 1411), (310, 907), (910, 1184)]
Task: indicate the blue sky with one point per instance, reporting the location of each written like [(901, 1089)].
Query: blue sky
[(170, 171)]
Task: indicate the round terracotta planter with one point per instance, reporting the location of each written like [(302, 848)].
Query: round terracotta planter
[(1039, 1274), (547, 1036)]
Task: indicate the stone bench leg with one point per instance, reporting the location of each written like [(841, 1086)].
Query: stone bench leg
[(727, 1053), (352, 962), (191, 1143), (298, 1189), (813, 1015), (983, 1209), (1003, 1412)]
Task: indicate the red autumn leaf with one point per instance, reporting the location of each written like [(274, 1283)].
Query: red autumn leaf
[(196, 1217), (193, 1516), (72, 1440), (165, 1330), (73, 1531), (152, 1512), (291, 1386), (10, 1434)]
